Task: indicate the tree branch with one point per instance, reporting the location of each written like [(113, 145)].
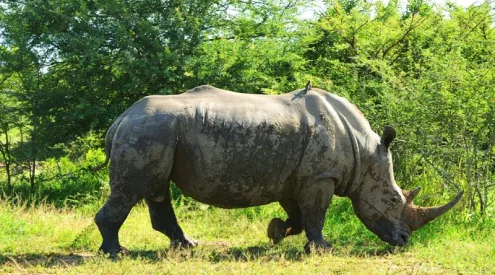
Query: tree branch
[(411, 27)]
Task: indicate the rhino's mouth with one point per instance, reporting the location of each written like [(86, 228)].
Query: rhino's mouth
[(388, 232)]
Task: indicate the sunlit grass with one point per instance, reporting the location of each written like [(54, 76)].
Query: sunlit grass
[(46, 239)]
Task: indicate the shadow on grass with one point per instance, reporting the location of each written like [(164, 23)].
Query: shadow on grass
[(45, 260), (266, 252), (246, 254), (53, 260), (218, 254), (365, 252), (234, 254)]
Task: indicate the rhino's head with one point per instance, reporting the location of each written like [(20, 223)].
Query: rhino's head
[(383, 207)]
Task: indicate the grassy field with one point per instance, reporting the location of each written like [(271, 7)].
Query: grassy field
[(46, 239)]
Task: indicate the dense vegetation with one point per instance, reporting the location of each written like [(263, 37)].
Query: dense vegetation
[(69, 67)]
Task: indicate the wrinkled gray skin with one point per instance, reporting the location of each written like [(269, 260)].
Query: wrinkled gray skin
[(235, 150)]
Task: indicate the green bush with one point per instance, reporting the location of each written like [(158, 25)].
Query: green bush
[(65, 183)]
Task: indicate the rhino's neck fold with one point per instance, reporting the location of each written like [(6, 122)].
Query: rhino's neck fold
[(348, 186)]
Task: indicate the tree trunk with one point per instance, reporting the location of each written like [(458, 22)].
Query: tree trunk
[(5, 150), (32, 161)]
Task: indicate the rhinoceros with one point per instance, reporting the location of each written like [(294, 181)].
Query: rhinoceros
[(235, 150)]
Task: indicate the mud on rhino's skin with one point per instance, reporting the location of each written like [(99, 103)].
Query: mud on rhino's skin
[(236, 150)]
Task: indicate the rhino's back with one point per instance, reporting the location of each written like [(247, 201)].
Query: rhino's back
[(220, 102)]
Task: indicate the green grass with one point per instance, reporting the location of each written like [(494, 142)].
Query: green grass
[(46, 239)]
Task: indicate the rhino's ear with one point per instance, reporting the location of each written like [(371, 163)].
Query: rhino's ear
[(388, 135)]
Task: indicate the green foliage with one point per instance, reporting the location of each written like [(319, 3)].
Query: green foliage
[(257, 49), (64, 183)]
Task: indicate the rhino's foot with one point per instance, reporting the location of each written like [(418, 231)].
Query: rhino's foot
[(276, 230), (318, 246), (113, 252), (184, 243)]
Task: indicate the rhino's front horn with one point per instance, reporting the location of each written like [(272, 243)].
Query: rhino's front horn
[(417, 216)]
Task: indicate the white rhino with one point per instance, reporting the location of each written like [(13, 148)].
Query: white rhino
[(236, 150)]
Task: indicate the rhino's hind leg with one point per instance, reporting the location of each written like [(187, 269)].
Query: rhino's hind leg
[(278, 229), (314, 200), (163, 220), (111, 217)]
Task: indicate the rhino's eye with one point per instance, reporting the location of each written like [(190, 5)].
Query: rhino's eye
[(394, 199)]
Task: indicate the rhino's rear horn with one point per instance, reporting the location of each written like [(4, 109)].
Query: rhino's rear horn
[(417, 216), (411, 194)]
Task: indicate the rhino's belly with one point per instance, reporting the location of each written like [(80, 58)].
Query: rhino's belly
[(239, 179), (230, 195)]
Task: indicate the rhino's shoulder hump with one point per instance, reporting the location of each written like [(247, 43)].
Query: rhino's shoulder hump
[(204, 89)]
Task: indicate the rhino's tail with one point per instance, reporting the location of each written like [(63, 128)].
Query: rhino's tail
[(108, 144)]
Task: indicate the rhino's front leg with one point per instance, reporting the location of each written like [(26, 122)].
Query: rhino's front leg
[(163, 220), (314, 200)]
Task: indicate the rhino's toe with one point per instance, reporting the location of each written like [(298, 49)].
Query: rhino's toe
[(318, 246), (184, 243), (114, 252)]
